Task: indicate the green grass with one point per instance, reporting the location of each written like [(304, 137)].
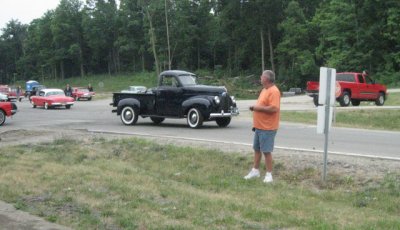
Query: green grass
[(393, 99), (103, 83), (135, 184), (366, 119), (241, 87), (384, 119)]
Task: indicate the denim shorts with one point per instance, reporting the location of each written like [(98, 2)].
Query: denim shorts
[(264, 140)]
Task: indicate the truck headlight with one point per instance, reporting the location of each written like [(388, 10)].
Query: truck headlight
[(233, 99), (217, 100)]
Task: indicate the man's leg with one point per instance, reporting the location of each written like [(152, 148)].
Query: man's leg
[(268, 162), (268, 166), (257, 159)]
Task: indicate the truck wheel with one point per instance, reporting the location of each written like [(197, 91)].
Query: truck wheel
[(157, 120), (355, 102), (194, 118), (344, 100), (315, 100), (380, 100), (223, 121), (2, 117), (129, 115)]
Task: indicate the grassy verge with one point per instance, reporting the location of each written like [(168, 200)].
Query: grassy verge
[(366, 119), (135, 184)]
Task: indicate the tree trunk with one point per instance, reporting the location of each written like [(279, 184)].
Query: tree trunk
[(198, 54), (262, 50), (153, 42), (169, 48), (81, 63), (62, 69), (143, 64), (109, 63), (271, 49)]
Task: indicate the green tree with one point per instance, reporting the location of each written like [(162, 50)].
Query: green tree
[(11, 49), (101, 34), (295, 51), (68, 37)]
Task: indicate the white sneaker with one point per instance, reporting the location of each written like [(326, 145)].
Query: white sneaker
[(268, 178), (252, 174)]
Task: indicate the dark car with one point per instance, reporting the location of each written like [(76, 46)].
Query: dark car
[(177, 96), (35, 89)]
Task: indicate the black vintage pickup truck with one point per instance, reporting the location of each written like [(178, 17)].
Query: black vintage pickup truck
[(177, 96)]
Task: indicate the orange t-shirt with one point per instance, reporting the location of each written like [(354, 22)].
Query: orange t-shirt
[(263, 120)]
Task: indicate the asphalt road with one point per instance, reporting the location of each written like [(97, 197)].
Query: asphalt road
[(96, 116)]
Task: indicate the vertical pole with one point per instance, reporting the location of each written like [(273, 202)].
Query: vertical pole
[(327, 117)]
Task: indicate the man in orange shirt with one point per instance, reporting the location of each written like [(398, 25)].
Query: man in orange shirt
[(266, 114)]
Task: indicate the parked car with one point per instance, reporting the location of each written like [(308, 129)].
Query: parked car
[(50, 98), (5, 89), (3, 97), (35, 89), (79, 93), (135, 89), (7, 109), (177, 96), (354, 87), (13, 94), (28, 87)]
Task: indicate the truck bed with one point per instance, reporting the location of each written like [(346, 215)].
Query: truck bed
[(147, 101)]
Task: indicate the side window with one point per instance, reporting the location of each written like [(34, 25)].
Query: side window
[(41, 93), (360, 78), (169, 81), (368, 80)]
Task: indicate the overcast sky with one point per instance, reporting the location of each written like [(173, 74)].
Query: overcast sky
[(24, 10)]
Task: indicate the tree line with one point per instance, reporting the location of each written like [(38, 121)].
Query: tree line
[(291, 37)]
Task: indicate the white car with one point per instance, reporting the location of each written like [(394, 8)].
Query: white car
[(135, 89), (3, 97)]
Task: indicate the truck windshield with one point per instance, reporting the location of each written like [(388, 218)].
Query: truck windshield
[(187, 80)]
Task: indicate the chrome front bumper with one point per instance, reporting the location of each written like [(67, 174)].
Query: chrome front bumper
[(234, 112)]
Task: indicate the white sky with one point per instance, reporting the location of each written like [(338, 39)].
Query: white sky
[(24, 10)]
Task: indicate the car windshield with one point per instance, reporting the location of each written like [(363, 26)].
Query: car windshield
[(83, 90), (187, 80), (55, 93)]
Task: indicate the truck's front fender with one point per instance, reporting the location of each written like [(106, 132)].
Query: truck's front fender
[(199, 102), (127, 102)]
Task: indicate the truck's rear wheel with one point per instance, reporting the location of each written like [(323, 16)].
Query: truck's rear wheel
[(315, 100), (355, 102), (129, 115), (2, 117), (194, 118), (157, 120), (223, 121), (380, 100), (344, 100)]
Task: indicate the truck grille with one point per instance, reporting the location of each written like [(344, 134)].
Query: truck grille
[(225, 102)]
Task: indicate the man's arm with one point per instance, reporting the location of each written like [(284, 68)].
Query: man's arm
[(264, 109)]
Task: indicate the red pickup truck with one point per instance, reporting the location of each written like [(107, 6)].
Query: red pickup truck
[(354, 88), (7, 109)]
